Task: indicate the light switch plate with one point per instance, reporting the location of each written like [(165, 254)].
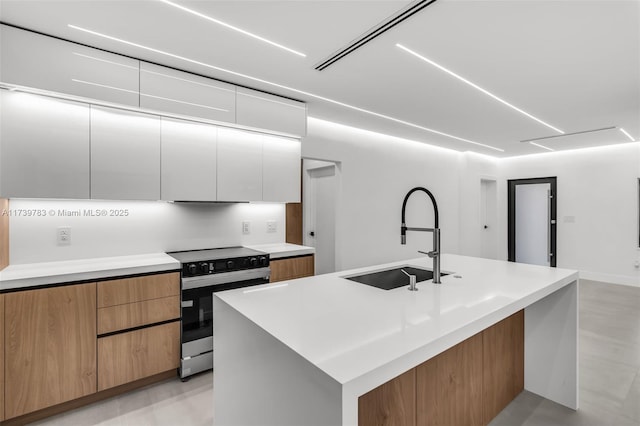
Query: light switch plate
[(246, 227), (272, 226)]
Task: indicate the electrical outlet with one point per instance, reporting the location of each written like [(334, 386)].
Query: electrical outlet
[(272, 226), (64, 235), (246, 227)]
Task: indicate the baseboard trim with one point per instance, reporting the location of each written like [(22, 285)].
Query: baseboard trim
[(611, 278), (89, 399)]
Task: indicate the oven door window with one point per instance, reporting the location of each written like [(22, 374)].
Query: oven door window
[(197, 314), (197, 308)]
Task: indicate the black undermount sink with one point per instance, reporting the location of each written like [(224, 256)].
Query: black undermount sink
[(393, 278)]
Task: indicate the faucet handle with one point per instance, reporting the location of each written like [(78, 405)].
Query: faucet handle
[(431, 254)]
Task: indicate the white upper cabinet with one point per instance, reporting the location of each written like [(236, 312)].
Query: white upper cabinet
[(264, 111), (41, 62), (165, 89), (239, 165), (281, 169), (44, 147), (125, 155), (188, 167)]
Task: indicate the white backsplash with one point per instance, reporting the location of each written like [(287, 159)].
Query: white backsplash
[(118, 228)]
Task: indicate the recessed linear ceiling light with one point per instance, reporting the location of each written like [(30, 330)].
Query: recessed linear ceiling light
[(626, 134), (281, 86), (240, 30), (542, 146), (475, 86)]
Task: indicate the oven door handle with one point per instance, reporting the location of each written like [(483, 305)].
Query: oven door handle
[(225, 278), (186, 304)]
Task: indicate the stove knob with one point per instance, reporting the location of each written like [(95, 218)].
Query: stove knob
[(204, 267), (230, 264), (192, 269), (264, 261), (254, 261)]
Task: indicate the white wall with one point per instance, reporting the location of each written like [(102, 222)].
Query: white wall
[(599, 188), (151, 226), (376, 173)]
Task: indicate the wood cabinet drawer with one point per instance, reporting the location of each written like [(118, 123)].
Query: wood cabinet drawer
[(138, 289), (126, 357), (291, 268), (130, 315)]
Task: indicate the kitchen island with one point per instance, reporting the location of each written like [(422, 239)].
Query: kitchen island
[(303, 352)]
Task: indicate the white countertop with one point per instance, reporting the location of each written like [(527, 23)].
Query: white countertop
[(348, 329), (280, 250), (34, 274)]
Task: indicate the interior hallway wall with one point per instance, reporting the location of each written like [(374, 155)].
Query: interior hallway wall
[(597, 230), (376, 173)]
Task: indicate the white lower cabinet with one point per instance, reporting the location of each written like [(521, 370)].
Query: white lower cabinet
[(239, 165), (125, 155), (188, 166), (281, 169), (44, 147)]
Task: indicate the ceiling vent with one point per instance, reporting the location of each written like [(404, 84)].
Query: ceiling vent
[(381, 28), (569, 134)]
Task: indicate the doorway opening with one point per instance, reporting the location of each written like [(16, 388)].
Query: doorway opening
[(320, 183), (532, 220), (489, 218)]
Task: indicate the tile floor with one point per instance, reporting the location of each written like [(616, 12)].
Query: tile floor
[(609, 379)]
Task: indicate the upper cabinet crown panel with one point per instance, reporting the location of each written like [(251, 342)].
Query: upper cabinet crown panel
[(264, 111), (46, 63), (125, 155), (178, 92), (44, 147)]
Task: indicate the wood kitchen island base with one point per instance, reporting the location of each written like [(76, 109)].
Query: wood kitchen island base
[(450, 354)]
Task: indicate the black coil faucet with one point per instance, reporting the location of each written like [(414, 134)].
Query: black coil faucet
[(435, 253)]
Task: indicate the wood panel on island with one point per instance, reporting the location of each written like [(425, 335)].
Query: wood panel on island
[(468, 384), (74, 344)]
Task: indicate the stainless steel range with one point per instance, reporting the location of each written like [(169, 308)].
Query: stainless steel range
[(203, 273)]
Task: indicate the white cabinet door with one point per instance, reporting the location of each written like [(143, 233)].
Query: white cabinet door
[(257, 109), (188, 166), (44, 147), (33, 60), (239, 165), (178, 92), (125, 155), (281, 169)]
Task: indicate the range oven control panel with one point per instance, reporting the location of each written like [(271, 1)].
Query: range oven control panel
[(206, 267)]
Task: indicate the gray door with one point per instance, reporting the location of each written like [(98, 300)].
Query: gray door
[(532, 224)]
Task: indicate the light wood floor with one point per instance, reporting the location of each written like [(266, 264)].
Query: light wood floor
[(609, 379)]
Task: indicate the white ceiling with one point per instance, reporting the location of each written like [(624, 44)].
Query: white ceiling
[(574, 64)]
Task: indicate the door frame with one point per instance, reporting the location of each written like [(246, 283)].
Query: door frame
[(511, 191)]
